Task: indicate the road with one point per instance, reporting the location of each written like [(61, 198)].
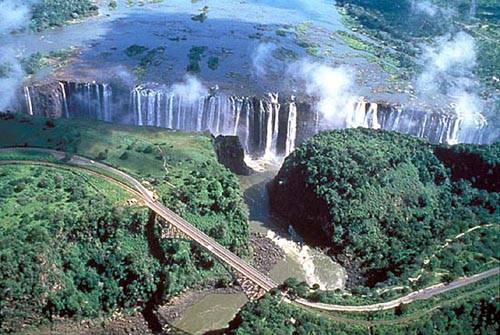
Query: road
[(422, 294), (227, 256)]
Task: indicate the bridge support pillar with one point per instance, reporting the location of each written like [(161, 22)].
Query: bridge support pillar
[(252, 290), (171, 231)]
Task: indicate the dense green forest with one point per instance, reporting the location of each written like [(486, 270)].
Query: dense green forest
[(50, 13), (404, 29), (70, 247), (85, 250), (477, 315), (388, 208)]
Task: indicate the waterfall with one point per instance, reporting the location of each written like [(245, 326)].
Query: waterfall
[(237, 109), (98, 102), (29, 103), (291, 133), (473, 8), (272, 115), (357, 115), (107, 93), (249, 109), (264, 128), (276, 107), (371, 119), (64, 99)]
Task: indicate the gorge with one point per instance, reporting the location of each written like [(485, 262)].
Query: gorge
[(269, 126)]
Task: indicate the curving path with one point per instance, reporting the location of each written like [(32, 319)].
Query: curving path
[(422, 294), (227, 256)]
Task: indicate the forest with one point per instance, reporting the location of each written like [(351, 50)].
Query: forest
[(388, 208), (405, 30), (52, 13), (268, 316), (87, 250)]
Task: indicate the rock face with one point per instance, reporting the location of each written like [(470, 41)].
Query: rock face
[(294, 200), (469, 162), (47, 100), (230, 153)]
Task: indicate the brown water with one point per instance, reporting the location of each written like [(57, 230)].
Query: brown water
[(215, 311)]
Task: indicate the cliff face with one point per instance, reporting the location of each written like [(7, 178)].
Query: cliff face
[(230, 153), (294, 200), (45, 100), (471, 163)]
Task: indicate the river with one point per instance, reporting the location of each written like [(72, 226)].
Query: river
[(215, 311)]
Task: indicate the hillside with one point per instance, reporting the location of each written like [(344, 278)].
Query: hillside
[(388, 208), (100, 255)]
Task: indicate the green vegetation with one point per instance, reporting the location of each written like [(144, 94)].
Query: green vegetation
[(70, 247), (400, 29), (116, 260), (112, 4), (469, 311), (55, 59), (355, 42), (194, 56), (149, 57), (388, 208), (283, 54), (50, 13), (303, 38), (135, 50), (213, 63), (202, 16)]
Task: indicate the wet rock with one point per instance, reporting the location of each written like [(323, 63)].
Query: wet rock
[(231, 154), (46, 100), (266, 253)]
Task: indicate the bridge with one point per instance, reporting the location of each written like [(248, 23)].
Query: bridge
[(254, 283)]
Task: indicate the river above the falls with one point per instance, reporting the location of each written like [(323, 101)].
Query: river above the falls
[(215, 311)]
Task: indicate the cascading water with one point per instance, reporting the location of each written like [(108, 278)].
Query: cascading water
[(291, 134), (64, 99), (156, 105), (272, 111), (27, 97), (88, 99), (267, 127)]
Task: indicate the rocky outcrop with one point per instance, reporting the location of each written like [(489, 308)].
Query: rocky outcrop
[(45, 100), (292, 199), (475, 163), (230, 153), (265, 252)]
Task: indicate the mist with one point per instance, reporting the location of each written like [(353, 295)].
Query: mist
[(425, 7), (191, 89), (14, 15), (448, 70), (331, 87)]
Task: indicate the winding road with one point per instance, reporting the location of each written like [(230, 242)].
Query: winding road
[(224, 255)]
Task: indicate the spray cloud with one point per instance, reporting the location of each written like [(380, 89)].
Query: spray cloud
[(14, 14), (331, 87), (449, 71), (191, 89)]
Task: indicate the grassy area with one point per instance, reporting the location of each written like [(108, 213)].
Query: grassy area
[(469, 310), (13, 207), (175, 164), (401, 30), (89, 138), (355, 42), (58, 229), (54, 59), (181, 167), (27, 155)]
